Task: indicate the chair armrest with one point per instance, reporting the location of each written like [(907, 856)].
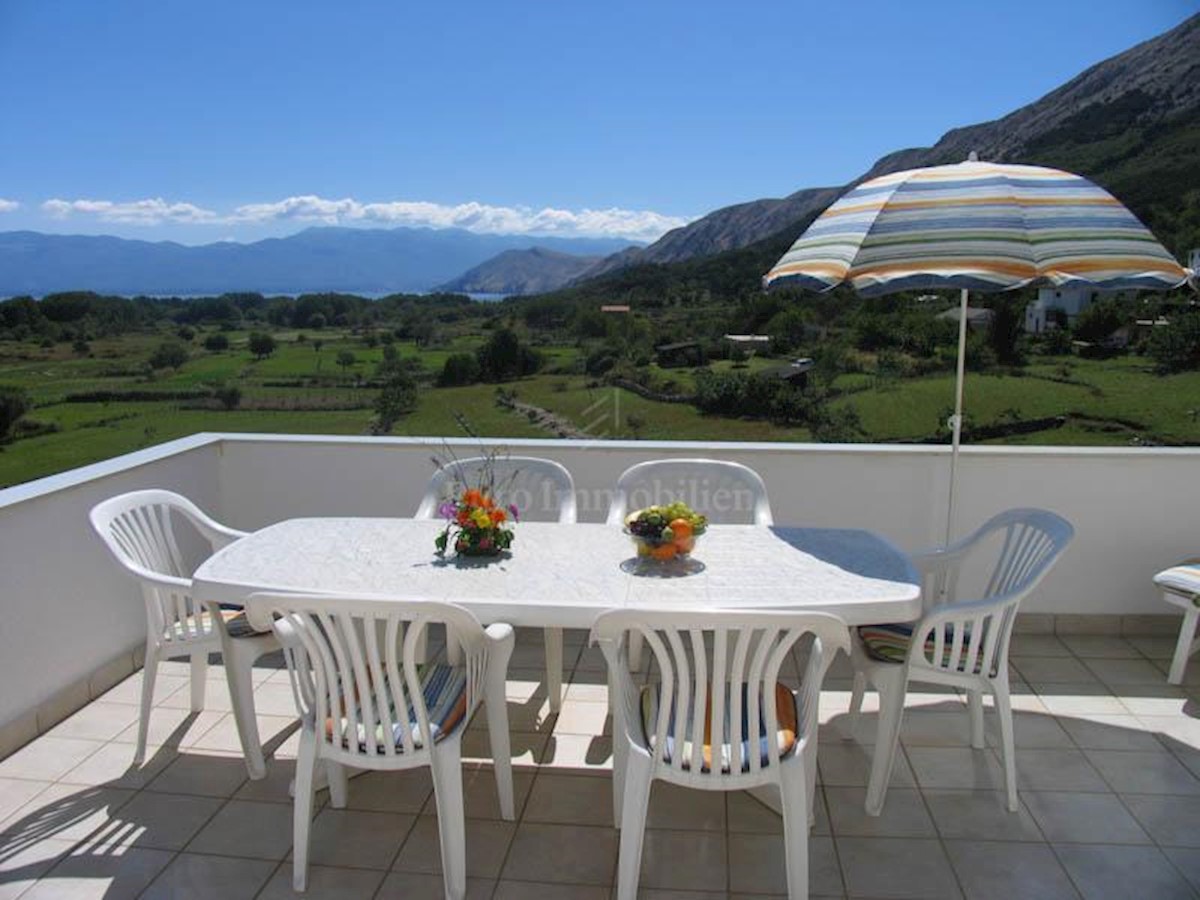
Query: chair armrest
[(159, 580)]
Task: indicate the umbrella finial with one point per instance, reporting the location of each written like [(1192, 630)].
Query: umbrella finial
[(972, 156)]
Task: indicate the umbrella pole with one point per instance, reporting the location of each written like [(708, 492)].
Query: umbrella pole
[(956, 419)]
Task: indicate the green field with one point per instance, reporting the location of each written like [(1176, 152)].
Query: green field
[(303, 391)]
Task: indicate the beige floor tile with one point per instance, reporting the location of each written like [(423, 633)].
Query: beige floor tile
[(479, 792), (846, 764), (757, 865), (531, 715), (1187, 861), (1083, 818), (275, 698), (570, 799), (684, 860), (192, 877), (64, 811), (896, 867), (1057, 770), (1153, 646), (117, 876), (216, 695), (1118, 873), (1030, 730), (578, 717), (275, 787), (159, 821), (1125, 672), (979, 816), (1157, 700), (112, 766), (272, 732), (1171, 821), (21, 866), (417, 886), (665, 894), (994, 871), (1066, 699), (15, 793), (527, 748), (685, 809), (247, 828), (173, 727), (1144, 772), (1102, 732), (904, 814), (579, 754), (587, 692), (575, 854), (327, 883), (1101, 646), (47, 758), (203, 774), (747, 815), (395, 792), (1038, 645), (357, 839), (1052, 669), (130, 690), (955, 767), (98, 721), (487, 845), (926, 728)]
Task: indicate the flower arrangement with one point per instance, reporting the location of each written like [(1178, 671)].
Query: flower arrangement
[(665, 532), (477, 522)]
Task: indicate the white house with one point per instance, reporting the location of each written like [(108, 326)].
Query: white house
[(1071, 301)]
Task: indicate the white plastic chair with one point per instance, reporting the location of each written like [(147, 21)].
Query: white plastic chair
[(961, 643), (541, 489), (712, 747), (728, 493), (365, 703), (138, 529), (1180, 586)]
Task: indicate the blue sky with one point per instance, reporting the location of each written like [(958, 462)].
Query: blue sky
[(200, 121)]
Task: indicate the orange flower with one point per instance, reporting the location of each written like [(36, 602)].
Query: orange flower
[(472, 497), (486, 502), (498, 516), (463, 517)]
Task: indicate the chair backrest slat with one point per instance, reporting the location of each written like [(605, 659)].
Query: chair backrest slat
[(541, 488)]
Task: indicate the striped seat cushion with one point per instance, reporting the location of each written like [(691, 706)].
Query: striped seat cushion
[(1183, 579), (445, 690), (889, 643), (785, 715), (235, 621)]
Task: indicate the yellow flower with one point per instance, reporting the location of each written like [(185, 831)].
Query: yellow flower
[(481, 518)]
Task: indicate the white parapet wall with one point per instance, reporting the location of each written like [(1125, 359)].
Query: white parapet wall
[(68, 610)]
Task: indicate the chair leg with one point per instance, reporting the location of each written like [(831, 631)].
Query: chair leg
[(495, 702), (239, 672), (1183, 647), (306, 765), (891, 711), (975, 706), (149, 674), (335, 776), (452, 826), (1004, 712), (857, 693), (199, 678), (793, 789), (554, 667), (620, 748), (638, 770)]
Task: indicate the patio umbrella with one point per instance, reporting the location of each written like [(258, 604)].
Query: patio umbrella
[(976, 226)]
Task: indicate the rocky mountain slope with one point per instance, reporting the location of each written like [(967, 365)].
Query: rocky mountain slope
[(531, 271)]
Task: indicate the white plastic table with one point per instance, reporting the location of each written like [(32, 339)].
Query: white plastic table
[(566, 575)]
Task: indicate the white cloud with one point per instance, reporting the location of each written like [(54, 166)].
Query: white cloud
[(152, 211), (643, 225), (8, 205)]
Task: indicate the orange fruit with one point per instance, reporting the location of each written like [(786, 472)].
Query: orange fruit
[(687, 545), (663, 551), (681, 528)]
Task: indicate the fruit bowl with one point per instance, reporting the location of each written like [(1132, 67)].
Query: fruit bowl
[(665, 533)]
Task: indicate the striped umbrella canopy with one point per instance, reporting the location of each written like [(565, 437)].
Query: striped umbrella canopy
[(979, 226), (976, 226)]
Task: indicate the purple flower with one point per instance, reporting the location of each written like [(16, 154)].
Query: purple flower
[(512, 509), (447, 510)]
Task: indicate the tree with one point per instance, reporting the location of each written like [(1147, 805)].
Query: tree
[(1176, 347), (216, 343), (1007, 326), (230, 395), (262, 345), (81, 347), (397, 399), (1099, 320), (14, 403), (186, 333), (170, 355), (459, 369), (346, 359), (504, 357)]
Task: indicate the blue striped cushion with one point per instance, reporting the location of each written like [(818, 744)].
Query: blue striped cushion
[(235, 621), (785, 716), (445, 690), (889, 643)]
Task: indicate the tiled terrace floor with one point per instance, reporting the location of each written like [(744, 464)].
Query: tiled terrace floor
[(1109, 759)]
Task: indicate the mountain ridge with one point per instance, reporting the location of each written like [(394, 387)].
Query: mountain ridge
[(513, 272)]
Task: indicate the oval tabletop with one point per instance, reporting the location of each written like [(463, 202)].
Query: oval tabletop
[(565, 575)]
